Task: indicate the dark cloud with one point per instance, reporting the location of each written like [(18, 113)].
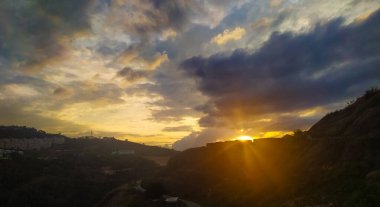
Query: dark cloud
[(290, 72), (31, 32), (146, 17), (356, 2), (99, 94), (183, 128), (176, 95), (170, 114), (111, 48), (62, 92), (131, 75), (50, 95), (193, 40), (175, 11), (15, 77), (95, 94)]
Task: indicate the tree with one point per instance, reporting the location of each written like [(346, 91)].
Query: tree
[(298, 133)]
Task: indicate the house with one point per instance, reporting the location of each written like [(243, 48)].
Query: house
[(6, 154), (171, 201)]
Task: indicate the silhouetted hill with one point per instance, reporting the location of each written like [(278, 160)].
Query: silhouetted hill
[(93, 145), (112, 145), (78, 172), (293, 171), (359, 119), (23, 132)]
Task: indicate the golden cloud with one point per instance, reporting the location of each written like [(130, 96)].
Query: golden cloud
[(364, 16), (275, 3), (157, 61), (134, 60), (229, 35)]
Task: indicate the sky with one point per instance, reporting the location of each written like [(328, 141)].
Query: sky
[(183, 73)]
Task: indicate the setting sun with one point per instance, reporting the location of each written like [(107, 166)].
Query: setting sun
[(244, 138)]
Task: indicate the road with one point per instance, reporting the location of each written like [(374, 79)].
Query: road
[(188, 203)]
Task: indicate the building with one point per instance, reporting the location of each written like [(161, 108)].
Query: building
[(6, 154), (30, 143), (171, 201)]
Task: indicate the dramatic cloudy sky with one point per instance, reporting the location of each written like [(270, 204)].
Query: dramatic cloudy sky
[(186, 72)]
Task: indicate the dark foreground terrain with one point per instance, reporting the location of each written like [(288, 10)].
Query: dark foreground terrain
[(335, 163), (77, 173)]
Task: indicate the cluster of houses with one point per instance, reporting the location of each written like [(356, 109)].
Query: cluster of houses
[(5, 154), (10, 146), (31, 143)]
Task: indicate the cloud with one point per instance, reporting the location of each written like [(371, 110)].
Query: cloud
[(67, 95), (133, 58), (289, 72), (144, 18), (364, 16), (15, 113), (173, 95), (19, 90), (178, 97), (228, 36), (131, 75), (158, 60), (98, 94), (15, 85), (34, 33), (183, 128), (275, 3), (62, 92), (262, 23), (198, 139), (188, 43), (356, 2), (168, 34)]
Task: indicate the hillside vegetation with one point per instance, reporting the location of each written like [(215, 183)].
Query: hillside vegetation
[(359, 119), (77, 173)]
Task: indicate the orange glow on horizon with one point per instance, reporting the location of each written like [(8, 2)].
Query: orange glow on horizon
[(244, 138)]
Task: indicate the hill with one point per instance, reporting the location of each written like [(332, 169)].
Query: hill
[(23, 132), (112, 146), (78, 172), (359, 119), (338, 165)]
